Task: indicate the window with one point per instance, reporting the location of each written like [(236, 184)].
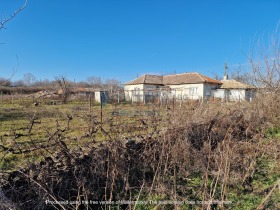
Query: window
[(137, 91), (172, 93), (193, 90)]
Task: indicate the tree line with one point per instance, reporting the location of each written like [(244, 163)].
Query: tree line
[(29, 80)]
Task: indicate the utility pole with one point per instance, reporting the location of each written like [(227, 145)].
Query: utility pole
[(225, 71)]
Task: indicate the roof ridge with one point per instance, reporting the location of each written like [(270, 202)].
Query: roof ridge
[(180, 74), (200, 75)]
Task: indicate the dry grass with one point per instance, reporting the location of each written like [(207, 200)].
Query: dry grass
[(197, 152)]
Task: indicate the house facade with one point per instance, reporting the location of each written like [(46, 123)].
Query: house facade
[(178, 86)]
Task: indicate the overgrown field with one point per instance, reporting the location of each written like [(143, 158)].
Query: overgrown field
[(200, 155), (25, 128)]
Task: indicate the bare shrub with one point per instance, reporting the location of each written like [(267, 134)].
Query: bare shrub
[(217, 147), (64, 88)]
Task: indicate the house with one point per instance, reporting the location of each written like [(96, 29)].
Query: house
[(179, 86), (233, 90)]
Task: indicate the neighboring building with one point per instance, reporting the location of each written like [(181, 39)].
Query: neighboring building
[(96, 93), (185, 86), (100, 95), (233, 90)]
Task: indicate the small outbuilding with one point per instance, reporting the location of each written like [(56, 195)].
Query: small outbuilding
[(233, 90), (100, 95)]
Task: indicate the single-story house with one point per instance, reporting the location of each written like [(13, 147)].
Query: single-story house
[(181, 86)]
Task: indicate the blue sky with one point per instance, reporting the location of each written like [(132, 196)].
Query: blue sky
[(125, 38)]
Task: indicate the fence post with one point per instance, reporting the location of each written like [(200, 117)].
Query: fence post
[(144, 98), (173, 105), (175, 97), (159, 98), (181, 99), (89, 98), (101, 111)]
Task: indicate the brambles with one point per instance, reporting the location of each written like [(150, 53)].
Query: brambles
[(205, 152)]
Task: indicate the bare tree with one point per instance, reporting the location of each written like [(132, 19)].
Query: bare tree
[(46, 83), (65, 88), (29, 79), (239, 74), (5, 20), (265, 65), (112, 84), (95, 82), (216, 76), (5, 82), (18, 83)]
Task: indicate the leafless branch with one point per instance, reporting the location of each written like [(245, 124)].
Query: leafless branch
[(6, 20)]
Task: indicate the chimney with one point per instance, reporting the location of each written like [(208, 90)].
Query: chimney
[(225, 72)]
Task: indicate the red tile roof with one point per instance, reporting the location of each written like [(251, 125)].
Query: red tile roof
[(147, 79), (174, 79)]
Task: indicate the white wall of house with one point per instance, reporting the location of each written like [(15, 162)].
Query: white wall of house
[(141, 92), (236, 94), (194, 91), (134, 93), (232, 94), (188, 91), (219, 93), (151, 92)]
